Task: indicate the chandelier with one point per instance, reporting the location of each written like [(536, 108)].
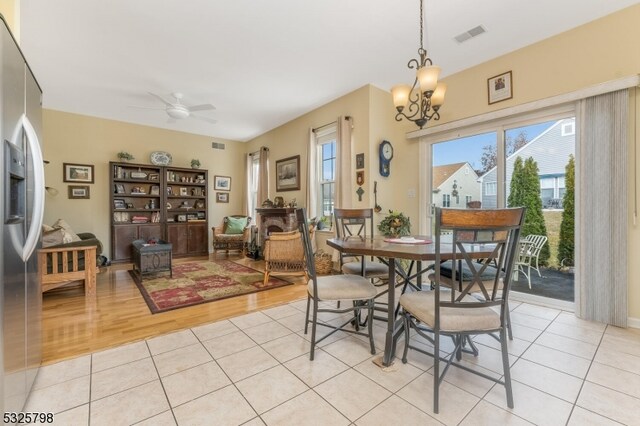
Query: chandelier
[(420, 103)]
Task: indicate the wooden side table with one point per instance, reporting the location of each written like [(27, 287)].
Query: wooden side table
[(151, 258)]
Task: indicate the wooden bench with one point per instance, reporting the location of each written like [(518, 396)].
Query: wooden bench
[(60, 266)]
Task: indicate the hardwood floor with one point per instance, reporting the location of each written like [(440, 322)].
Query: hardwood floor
[(73, 325)]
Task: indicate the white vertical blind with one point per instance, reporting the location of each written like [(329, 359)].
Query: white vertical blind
[(602, 208)]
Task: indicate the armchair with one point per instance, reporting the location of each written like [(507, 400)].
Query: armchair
[(232, 234)]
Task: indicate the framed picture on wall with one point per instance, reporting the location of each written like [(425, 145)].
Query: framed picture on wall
[(222, 183), (222, 197), (288, 174), (500, 87), (78, 191), (78, 173)]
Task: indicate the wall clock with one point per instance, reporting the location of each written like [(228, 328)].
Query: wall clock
[(386, 154)]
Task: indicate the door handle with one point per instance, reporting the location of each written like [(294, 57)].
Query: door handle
[(37, 213)]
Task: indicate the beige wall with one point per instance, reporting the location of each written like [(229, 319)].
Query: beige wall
[(597, 52), (10, 9), (72, 138)]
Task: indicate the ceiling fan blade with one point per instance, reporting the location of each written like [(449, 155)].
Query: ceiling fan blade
[(146, 107), (208, 120), (203, 107), (160, 98)]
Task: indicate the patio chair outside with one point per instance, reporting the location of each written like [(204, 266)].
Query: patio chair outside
[(529, 252)]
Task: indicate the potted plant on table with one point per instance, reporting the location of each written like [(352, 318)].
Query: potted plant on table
[(195, 163), (395, 225)]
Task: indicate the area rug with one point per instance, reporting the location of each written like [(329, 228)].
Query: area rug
[(201, 282)]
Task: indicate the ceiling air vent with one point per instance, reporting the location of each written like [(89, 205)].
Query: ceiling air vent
[(473, 32), (217, 145)]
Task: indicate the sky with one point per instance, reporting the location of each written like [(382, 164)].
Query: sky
[(470, 148)]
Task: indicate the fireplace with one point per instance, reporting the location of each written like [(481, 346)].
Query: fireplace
[(275, 220)]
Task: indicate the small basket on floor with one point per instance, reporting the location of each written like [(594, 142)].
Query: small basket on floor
[(324, 262)]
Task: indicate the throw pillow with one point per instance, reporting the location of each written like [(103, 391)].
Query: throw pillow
[(236, 225), (53, 238), (71, 236)]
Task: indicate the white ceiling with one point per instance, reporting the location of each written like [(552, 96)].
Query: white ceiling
[(262, 63)]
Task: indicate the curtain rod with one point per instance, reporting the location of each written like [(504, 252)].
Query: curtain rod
[(262, 148), (315, 129)]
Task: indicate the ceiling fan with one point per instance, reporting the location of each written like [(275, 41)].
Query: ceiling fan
[(177, 110)]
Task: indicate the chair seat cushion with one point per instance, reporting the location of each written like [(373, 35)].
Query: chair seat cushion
[(421, 304), (343, 287), (229, 237), (371, 269)]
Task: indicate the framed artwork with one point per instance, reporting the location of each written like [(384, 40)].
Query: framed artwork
[(78, 173), (360, 161), (184, 191), (154, 190), (119, 203), (222, 183), (288, 174), (500, 87), (119, 188), (153, 176), (222, 197), (78, 191)]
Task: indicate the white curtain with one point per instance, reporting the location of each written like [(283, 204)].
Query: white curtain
[(602, 208), (311, 195), (344, 178), (246, 203), (263, 178)]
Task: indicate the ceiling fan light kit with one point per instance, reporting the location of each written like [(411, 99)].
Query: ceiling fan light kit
[(177, 110)]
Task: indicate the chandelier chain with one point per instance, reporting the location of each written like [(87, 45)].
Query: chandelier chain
[(421, 25)]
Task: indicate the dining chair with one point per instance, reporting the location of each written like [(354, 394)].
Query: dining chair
[(358, 223), (453, 311), (333, 288)]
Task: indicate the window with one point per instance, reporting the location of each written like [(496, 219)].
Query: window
[(568, 129), (490, 188), (467, 199), (446, 200), (326, 180)]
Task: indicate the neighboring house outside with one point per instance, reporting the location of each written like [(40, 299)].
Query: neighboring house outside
[(551, 150), (454, 185)]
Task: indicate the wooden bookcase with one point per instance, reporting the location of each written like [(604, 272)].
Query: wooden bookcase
[(168, 203)]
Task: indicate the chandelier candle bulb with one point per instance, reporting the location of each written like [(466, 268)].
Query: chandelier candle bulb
[(437, 99), (400, 95), (428, 79)]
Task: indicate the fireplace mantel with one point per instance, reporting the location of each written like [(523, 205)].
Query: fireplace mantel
[(276, 220)]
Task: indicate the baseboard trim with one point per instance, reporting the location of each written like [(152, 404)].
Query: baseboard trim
[(633, 322), (542, 301)]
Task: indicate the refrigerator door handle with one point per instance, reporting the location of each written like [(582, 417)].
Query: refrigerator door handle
[(37, 213)]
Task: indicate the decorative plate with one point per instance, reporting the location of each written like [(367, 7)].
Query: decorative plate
[(160, 158)]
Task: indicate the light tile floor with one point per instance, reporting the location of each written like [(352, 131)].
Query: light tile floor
[(255, 370)]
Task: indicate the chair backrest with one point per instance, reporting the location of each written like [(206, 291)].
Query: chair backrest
[(303, 228), (350, 222), (494, 232), (353, 222), (537, 242)]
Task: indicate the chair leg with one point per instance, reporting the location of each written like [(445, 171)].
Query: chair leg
[(508, 314), (407, 335), (505, 366), (313, 329), (370, 326), (306, 317), (436, 370), (266, 277)]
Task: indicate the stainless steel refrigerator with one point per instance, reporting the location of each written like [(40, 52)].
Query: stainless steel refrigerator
[(22, 207)]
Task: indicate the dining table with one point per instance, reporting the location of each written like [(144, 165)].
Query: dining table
[(389, 250)]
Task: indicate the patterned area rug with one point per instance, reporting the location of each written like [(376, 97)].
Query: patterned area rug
[(200, 282)]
